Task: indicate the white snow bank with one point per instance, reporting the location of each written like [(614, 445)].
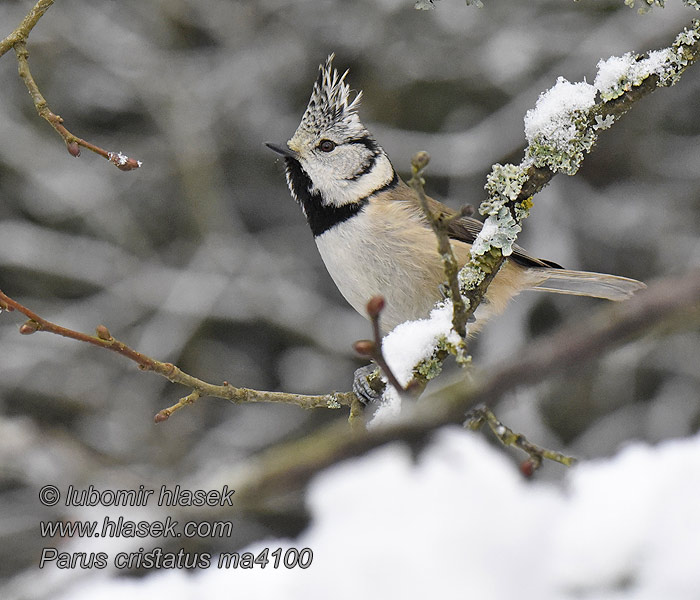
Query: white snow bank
[(462, 523)]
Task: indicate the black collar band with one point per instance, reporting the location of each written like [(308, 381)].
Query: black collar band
[(322, 217)]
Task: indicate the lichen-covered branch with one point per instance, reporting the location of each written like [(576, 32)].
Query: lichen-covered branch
[(104, 339), (17, 40), (561, 129), (656, 312)]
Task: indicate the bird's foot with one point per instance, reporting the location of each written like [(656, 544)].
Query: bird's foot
[(367, 384)]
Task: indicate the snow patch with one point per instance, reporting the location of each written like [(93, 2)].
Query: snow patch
[(460, 521), (551, 119)]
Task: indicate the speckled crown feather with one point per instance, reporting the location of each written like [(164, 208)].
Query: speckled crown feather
[(331, 105)]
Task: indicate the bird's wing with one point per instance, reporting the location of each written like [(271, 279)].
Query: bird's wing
[(466, 229)]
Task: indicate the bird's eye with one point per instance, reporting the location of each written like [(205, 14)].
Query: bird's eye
[(326, 145)]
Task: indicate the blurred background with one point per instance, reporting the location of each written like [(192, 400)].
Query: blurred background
[(202, 258)]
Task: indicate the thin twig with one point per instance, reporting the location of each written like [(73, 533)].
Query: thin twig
[(373, 348), (164, 414), (439, 223), (73, 142), (481, 415), (103, 339), (17, 40)]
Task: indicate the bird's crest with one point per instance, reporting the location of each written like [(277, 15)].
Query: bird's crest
[(331, 105)]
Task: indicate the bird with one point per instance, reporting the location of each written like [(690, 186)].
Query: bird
[(372, 232)]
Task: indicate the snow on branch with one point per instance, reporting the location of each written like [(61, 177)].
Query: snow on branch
[(561, 130)]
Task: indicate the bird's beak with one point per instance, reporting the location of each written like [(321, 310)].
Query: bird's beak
[(283, 150)]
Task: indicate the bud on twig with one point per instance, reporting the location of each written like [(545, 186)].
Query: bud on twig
[(103, 333), (529, 466), (73, 148), (163, 415), (420, 160), (365, 347), (375, 306), (29, 327), (123, 162)]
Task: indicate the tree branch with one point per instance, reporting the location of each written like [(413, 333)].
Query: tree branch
[(103, 339), (481, 415), (511, 187), (289, 466), (538, 170)]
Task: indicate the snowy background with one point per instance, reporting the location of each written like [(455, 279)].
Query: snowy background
[(202, 258)]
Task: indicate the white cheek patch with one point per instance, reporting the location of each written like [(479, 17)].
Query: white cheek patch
[(338, 191)]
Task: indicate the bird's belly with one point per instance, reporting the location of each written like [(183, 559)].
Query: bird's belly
[(364, 265)]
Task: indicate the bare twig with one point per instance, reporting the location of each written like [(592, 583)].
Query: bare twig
[(73, 142), (103, 339), (164, 414), (373, 348), (17, 40), (480, 415), (439, 223)]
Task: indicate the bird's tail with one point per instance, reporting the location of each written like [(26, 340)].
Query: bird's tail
[(583, 283)]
